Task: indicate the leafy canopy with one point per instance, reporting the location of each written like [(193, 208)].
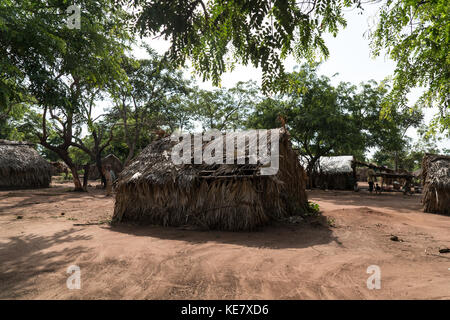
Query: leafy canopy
[(416, 35), (218, 33)]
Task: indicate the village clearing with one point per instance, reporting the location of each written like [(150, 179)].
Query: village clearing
[(44, 231)]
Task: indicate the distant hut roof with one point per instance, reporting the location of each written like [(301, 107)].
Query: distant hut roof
[(110, 159), (21, 166), (337, 164), (220, 196), (374, 166)]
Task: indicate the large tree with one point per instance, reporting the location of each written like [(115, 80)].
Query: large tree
[(322, 119), (56, 63), (225, 108), (327, 120), (143, 103), (100, 131), (219, 33), (416, 35)]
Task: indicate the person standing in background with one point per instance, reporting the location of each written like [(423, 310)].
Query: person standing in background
[(371, 179)]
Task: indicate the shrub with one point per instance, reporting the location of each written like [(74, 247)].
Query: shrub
[(313, 208)]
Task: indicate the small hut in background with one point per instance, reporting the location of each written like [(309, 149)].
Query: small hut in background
[(153, 189), (335, 173), (110, 159), (59, 167), (436, 183), (21, 166)]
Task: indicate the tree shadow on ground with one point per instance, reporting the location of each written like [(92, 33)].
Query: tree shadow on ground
[(48, 195), (25, 258), (280, 235), (389, 200)]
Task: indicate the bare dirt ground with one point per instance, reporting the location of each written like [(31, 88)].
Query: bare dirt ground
[(40, 237)]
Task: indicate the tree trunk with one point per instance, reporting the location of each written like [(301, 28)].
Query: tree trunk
[(310, 183), (76, 179), (130, 155), (396, 161), (98, 162), (311, 172), (66, 158), (86, 176)]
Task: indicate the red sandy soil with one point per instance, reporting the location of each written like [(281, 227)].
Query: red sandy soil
[(308, 260)]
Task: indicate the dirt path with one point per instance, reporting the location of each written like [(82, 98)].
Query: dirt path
[(286, 261)]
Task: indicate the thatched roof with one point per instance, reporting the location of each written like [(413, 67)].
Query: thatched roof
[(221, 196), (338, 164), (436, 181), (374, 166), (21, 166), (437, 172), (154, 165)]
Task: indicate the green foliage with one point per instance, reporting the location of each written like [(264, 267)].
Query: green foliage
[(67, 177), (322, 119), (79, 157), (39, 51), (416, 35), (11, 120), (225, 108), (409, 155), (313, 208), (153, 97), (326, 120), (217, 34), (53, 77)]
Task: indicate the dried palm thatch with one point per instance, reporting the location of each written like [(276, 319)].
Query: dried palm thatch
[(110, 159), (22, 167), (436, 182), (151, 189)]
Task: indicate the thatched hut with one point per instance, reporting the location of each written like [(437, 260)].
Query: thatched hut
[(59, 167), (436, 183), (337, 172), (153, 189), (110, 159), (21, 166)]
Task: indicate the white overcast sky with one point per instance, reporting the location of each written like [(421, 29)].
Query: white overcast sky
[(350, 57)]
